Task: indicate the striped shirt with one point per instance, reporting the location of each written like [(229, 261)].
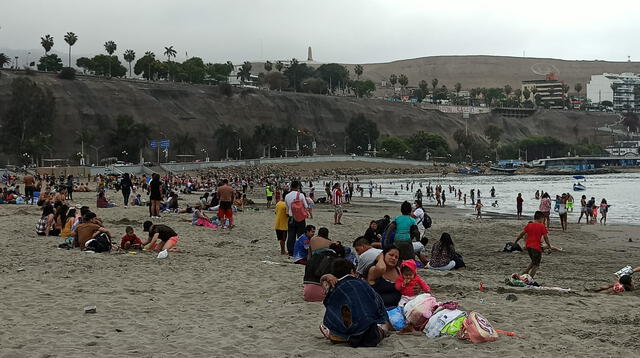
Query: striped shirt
[(336, 197)]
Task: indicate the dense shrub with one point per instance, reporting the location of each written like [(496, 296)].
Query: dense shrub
[(67, 73)]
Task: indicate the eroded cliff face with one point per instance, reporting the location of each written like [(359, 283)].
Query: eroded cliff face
[(94, 103)]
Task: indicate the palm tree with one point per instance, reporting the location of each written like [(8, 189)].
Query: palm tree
[(47, 43), (578, 88), (458, 88), (279, 66), (110, 47), (358, 70), (170, 52), (129, 56), (508, 89), (393, 79), (71, 39), (403, 80), (268, 66), (4, 59), (184, 143), (245, 72)]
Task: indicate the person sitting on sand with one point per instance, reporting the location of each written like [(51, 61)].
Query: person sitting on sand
[(46, 224), (383, 275), (199, 218), (161, 237), (320, 241), (408, 280), (443, 254), (102, 202), (371, 235), (301, 252), (367, 255), (624, 283), (89, 228), (130, 240), (316, 267), (354, 313)]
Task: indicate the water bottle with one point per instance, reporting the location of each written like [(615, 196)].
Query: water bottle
[(627, 270)]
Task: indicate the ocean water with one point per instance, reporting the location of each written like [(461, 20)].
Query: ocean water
[(622, 192)]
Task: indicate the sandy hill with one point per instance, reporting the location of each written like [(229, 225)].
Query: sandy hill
[(94, 103), (486, 71)]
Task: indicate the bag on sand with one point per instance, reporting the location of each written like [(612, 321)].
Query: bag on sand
[(298, 210), (477, 329), (427, 221), (396, 317), (439, 320), (418, 310), (511, 247), (100, 243)]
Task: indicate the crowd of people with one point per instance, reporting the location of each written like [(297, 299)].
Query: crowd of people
[(378, 271)]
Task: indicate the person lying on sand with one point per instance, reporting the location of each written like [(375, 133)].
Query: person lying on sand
[(625, 283)]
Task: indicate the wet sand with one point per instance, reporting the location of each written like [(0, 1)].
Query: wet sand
[(230, 293)]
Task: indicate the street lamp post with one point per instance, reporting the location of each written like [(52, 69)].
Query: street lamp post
[(97, 149)]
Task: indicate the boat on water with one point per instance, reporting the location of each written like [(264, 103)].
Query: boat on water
[(507, 166), (470, 171), (579, 187)]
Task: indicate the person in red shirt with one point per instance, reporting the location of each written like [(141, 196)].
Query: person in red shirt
[(535, 231), (130, 240)]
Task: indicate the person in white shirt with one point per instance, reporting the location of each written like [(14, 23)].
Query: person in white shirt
[(367, 255), (418, 214), (295, 228)]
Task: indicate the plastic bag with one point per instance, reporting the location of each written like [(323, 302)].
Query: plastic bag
[(396, 317)]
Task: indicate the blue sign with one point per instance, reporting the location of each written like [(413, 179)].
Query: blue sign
[(164, 144), (153, 144)]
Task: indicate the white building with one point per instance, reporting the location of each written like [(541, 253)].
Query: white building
[(619, 89), (625, 147)]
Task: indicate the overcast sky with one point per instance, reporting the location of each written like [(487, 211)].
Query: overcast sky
[(346, 31)]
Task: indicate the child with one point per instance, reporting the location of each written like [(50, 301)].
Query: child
[(479, 209), (604, 209), (130, 240), (534, 232), (625, 283), (594, 214), (407, 281)]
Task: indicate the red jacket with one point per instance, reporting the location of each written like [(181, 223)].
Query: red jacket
[(407, 290)]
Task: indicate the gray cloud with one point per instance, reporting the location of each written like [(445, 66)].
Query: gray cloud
[(348, 31)]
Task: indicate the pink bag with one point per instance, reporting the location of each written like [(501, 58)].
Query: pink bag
[(298, 209), (478, 329), (419, 310)]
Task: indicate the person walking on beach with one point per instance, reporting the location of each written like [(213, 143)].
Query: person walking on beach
[(562, 211), (583, 209), (535, 232), (545, 208), (519, 201), (269, 194), (336, 201), (125, 187), (479, 209), (604, 209), (29, 187), (590, 205)]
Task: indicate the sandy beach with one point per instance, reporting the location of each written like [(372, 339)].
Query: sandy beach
[(230, 293)]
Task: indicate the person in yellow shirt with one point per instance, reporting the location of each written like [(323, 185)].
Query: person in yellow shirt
[(281, 224), (269, 194)]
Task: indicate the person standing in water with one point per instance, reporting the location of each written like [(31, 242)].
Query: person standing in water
[(583, 209), (493, 192), (519, 201)]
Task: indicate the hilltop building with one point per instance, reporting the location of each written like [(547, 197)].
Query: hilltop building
[(550, 90), (623, 90)]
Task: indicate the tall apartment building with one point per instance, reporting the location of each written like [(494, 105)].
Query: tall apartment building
[(623, 90), (550, 91)]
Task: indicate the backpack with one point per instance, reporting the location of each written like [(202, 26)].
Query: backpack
[(511, 247), (298, 209), (100, 243), (478, 329), (388, 237), (439, 320), (426, 221)]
